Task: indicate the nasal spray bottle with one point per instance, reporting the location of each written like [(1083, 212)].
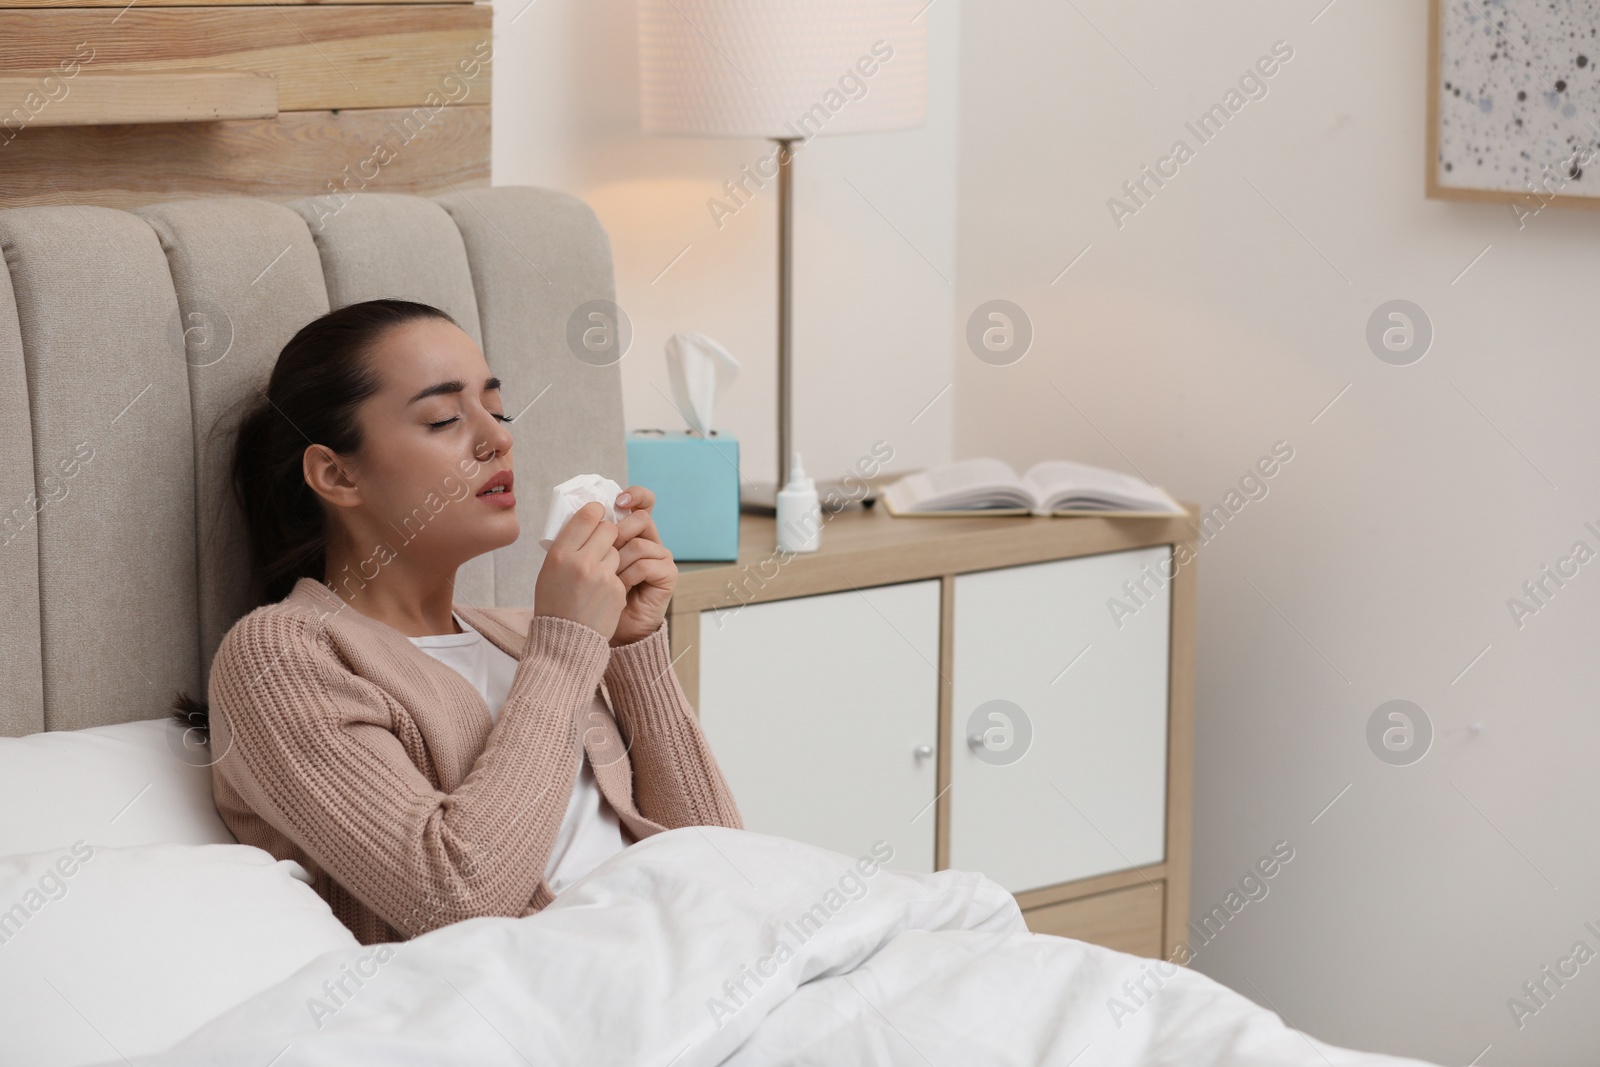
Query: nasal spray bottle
[(799, 513)]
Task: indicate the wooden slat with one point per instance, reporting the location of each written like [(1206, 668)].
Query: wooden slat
[(1155, 873), (944, 768), (1530, 203), (343, 56), (295, 155), (1128, 920), (101, 98), (1430, 170), (862, 542), (39, 5), (1180, 752)]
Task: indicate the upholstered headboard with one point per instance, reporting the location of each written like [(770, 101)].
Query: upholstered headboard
[(126, 340)]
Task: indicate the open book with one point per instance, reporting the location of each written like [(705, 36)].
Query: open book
[(1051, 487)]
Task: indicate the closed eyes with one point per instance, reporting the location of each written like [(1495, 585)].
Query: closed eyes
[(456, 418)]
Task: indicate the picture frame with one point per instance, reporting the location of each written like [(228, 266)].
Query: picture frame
[(1513, 107)]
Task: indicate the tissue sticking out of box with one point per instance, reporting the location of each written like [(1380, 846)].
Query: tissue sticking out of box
[(698, 369), (574, 493)]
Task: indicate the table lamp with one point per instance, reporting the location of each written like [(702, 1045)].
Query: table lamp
[(785, 70)]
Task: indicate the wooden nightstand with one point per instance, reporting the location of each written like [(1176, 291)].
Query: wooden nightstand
[(1012, 695)]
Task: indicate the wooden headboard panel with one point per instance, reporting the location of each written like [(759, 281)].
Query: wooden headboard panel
[(117, 105)]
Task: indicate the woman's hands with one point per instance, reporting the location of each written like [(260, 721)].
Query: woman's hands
[(615, 578), (645, 568), (578, 579)]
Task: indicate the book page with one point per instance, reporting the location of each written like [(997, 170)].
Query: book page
[(963, 484), (1063, 485)]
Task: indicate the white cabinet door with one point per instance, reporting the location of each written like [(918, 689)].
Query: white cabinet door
[(1039, 650), (816, 708)]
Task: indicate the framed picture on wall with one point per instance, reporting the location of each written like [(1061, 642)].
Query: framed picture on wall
[(1514, 102)]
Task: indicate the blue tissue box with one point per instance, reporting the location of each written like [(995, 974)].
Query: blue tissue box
[(696, 482)]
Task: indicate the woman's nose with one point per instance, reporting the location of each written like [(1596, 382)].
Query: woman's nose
[(497, 439)]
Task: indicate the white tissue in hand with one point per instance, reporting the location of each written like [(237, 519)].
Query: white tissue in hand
[(574, 493)]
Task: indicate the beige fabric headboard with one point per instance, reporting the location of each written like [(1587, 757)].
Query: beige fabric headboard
[(121, 552)]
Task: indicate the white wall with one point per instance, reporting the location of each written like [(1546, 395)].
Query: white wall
[(872, 343), (1212, 325)]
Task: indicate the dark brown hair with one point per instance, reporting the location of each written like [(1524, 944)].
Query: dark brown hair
[(321, 378)]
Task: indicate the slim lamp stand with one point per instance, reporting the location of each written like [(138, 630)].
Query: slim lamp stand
[(754, 498), (785, 294)]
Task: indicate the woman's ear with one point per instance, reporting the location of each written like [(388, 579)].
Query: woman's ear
[(329, 477)]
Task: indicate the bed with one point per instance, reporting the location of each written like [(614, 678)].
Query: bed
[(135, 929)]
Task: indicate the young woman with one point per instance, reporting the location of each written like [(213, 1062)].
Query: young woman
[(425, 760)]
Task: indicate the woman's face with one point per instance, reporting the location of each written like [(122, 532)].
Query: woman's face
[(432, 439)]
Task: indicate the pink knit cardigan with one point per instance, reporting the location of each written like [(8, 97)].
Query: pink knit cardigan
[(338, 743)]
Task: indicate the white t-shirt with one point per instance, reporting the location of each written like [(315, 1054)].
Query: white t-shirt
[(590, 831)]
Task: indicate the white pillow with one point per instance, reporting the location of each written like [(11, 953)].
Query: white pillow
[(112, 952), (134, 783)]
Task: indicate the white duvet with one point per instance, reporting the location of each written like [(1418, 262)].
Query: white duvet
[(706, 945)]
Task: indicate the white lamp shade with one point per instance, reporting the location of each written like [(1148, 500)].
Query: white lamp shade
[(782, 68)]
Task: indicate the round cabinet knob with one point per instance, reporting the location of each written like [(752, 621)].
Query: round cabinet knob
[(922, 751), (975, 741)]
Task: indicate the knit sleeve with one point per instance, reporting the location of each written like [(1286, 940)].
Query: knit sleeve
[(676, 778), (311, 747)]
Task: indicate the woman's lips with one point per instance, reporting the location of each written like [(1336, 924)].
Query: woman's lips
[(500, 500)]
